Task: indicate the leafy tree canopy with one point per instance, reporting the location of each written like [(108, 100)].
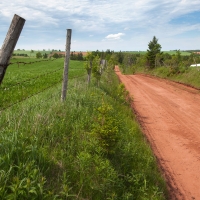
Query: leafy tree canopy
[(55, 55), (38, 55)]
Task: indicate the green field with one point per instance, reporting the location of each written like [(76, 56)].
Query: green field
[(88, 147), (22, 81), (30, 53), (183, 53)]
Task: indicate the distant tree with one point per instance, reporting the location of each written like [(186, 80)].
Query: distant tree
[(38, 55), (45, 55), (55, 55), (72, 55), (152, 51), (120, 56), (31, 52), (80, 56), (60, 55)]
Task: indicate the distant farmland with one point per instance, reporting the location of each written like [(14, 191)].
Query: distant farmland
[(32, 53), (183, 53)]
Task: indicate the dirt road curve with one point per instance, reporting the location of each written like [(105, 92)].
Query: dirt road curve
[(170, 117)]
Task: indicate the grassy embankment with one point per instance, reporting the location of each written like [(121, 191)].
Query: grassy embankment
[(89, 147), (187, 75)]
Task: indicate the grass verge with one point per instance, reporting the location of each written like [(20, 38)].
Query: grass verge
[(186, 75), (89, 147)]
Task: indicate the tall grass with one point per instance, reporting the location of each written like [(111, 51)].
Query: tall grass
[(89, 147), (187, 75)]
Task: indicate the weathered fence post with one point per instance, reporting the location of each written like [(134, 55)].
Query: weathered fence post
[(9, 44), (66, 65)]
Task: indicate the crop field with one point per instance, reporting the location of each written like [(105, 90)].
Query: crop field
[(183, 53), (31, 53), (88, 147), (24, 80)]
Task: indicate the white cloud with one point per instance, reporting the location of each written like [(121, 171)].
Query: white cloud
[(114, 36), (138, 18)]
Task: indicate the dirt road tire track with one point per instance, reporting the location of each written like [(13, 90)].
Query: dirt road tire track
[(169, 114)]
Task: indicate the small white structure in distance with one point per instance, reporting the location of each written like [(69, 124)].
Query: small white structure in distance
[(195, 65)]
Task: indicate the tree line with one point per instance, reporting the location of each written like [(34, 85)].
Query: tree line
[(154, 57)]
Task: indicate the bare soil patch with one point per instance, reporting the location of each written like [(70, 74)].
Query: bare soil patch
[(169, 114)]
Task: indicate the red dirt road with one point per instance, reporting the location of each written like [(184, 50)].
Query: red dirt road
[(169, 114)]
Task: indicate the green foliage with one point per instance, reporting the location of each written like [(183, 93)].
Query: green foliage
[(83, 148), (45, 56), (153, 50), (55, 55), (123, 94), (23, 81), (88, 67), (106, 127), (76, 56), (96, 69), (38, 55), (187, 75)]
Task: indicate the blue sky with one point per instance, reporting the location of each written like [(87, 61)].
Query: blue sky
[(126, 25)]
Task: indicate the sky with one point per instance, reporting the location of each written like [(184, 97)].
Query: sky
[(119, 25)]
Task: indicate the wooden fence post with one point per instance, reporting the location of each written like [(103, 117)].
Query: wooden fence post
[(9, 44), (66, 65)]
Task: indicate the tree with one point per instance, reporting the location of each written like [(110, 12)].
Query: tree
[(45, 55), (55, 55), (38, 55), (154, 49)]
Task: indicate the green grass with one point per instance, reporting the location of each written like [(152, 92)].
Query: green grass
[(26, 80), (89, 147), (183, 53), (187, 75)]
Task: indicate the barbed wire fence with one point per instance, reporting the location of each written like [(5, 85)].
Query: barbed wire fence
[(7, 114), (34, 78), (28, 80), (40, 103)]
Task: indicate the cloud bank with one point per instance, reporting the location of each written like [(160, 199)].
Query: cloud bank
[(107, 21)]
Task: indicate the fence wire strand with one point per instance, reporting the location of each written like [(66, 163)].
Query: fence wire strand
[(23, 99), (27, 110), (34, 78), (12, 118)]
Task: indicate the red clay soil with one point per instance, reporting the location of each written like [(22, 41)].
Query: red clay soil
[(169, 114)]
